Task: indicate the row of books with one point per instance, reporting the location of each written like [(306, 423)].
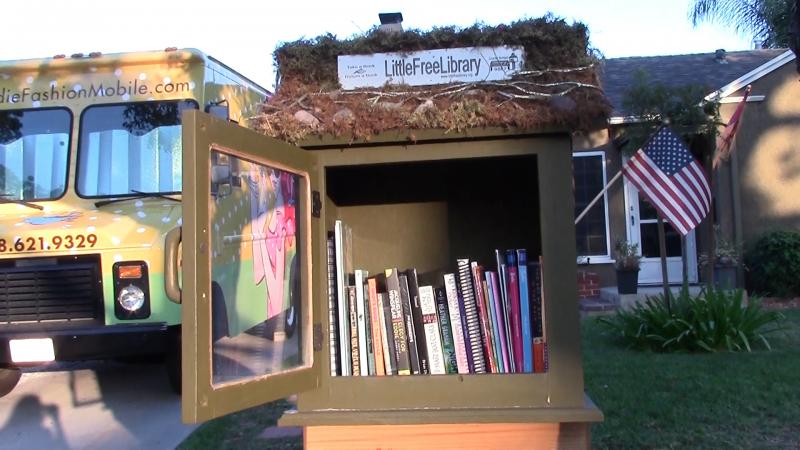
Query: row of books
[(470, 321)]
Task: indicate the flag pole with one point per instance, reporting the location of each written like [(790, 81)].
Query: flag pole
[(597, 197), (662, 246)]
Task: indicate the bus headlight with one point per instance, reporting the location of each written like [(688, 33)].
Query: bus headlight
[(131, 298)]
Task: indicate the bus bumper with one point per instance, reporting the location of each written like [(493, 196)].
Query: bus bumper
[(73, 343)]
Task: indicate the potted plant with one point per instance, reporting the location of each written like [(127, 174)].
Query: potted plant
[(627, 266), (726, 260)]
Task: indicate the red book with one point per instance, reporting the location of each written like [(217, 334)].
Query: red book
[(539, 358), (516, 315)]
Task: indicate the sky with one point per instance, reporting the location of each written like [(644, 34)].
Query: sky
[(243, 33)]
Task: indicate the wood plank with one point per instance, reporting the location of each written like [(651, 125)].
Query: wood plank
[(507, 436)]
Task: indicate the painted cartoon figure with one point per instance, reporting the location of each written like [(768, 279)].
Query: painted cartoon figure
[(272, 212)]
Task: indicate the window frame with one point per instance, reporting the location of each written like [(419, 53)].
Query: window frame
[(80, 142), (70, 133), (598, 258)]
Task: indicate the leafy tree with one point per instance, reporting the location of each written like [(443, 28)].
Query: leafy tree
[(773, 23)]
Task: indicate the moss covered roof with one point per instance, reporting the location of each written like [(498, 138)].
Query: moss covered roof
[(557, 89)]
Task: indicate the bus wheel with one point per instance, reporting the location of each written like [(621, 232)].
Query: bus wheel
[(173, 358), (8, 380), (219, 314)]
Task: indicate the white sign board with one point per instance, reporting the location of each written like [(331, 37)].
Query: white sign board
[(442, 66)]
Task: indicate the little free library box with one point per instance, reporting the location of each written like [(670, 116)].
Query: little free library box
[(416, 242)]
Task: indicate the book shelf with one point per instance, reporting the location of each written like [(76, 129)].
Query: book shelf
[(422, 205)]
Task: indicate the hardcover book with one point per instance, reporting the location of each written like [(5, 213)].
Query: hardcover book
[(417, 314), (344, 264), (433, 342), (333, 317), (494, 284), (503, 282), (473, 321), (354, 346), (513, 300), (398, 323), (411, 335), (525, 311), (368, 333), (456, 323), (387, 335), (448, 346), (495, 333), (483, 315), (376, 324), (360, 278)]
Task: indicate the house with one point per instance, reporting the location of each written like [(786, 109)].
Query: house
[(758, 189)]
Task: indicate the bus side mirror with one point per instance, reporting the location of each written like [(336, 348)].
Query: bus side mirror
[(220, 111), (221, 180)]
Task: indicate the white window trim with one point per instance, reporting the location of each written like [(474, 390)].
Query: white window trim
[(606, 258)]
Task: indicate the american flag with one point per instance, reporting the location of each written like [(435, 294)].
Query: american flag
[(668, 175)]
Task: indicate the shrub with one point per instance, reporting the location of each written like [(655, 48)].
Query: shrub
[(773, 262), (714, 320)]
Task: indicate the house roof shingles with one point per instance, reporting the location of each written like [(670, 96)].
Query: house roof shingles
[(618, 74)]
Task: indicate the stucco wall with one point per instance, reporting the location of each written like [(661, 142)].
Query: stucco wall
[(768, 155)]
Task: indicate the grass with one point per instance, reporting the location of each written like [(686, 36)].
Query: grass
[(698, 401), (241, 431), (650, 400)]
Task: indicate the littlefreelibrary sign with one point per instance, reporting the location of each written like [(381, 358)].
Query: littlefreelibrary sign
[(441, 66)]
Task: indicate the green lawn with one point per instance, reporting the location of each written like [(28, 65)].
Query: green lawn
[(695, 401), (650, 401)]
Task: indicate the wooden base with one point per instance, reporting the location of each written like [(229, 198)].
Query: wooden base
[(506, 436)]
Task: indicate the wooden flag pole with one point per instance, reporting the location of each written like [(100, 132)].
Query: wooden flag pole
[(662, 244), (597, 197)]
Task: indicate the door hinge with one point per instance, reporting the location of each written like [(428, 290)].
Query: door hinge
[(316, 204), (317, 339)]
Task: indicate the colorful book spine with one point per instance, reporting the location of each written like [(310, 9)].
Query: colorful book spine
[(398, 322), (368, 333), (387, 335), (433, 342), (354, 343), (538, 355), (513, 300), (341, 240), (333, 318), (483, 315), (500, 320), (503, 274), (455, 322), (376, 323), (448, 346), (525, 311), (411, 335), (419, 323), (495, 332), (467, 290), (361, 276)]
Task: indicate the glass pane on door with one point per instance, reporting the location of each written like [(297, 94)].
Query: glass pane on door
[(255, 269)]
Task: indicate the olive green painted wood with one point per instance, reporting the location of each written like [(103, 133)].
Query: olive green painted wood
[(588, 413), (561, 388), (201, 401)]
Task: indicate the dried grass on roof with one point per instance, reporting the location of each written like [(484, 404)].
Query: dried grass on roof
[(557, 90)]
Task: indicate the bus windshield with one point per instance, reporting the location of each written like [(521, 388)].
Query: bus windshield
[(132, 148), (34, 145)]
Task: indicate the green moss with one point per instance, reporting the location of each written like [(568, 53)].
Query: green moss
[(549, 42)]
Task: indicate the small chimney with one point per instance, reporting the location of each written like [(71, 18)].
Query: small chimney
[(719, 56), (391, 22)]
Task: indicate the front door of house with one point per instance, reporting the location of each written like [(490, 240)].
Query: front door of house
[(642, 221)]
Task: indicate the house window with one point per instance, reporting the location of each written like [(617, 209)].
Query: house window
[(591, 232)]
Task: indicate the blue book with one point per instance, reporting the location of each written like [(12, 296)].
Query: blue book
[(525, 311)]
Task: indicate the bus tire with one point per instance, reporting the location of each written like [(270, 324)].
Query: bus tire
[(9, 377), (219, 313), (173, 359)]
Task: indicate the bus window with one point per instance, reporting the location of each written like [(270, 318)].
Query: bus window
[(34, 144), (132, 147)]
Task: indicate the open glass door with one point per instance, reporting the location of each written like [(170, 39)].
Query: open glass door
[(246, 269)]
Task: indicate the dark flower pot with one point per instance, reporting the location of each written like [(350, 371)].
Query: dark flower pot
[(627, 281), (725, 277)]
